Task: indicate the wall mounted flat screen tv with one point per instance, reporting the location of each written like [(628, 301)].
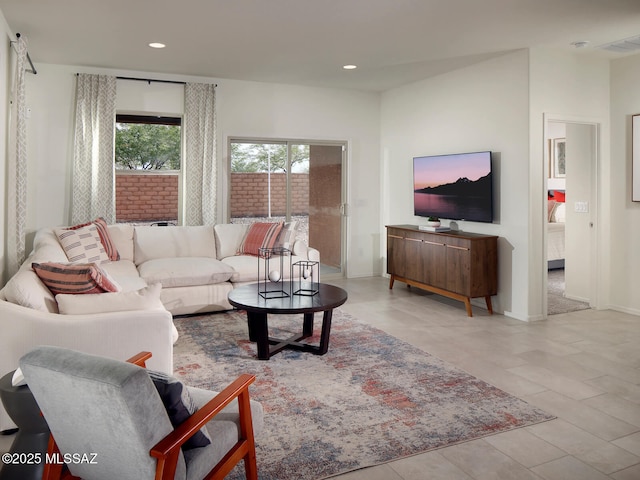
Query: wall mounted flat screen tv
[(454, 187)]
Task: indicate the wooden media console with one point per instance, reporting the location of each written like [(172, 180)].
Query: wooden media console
[(455, 264)]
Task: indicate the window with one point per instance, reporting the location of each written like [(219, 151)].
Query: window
[(269, 182), (292, 180), (147, 162)]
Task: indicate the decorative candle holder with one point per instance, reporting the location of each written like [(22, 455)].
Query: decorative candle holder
[(271, 264), (305, 278)]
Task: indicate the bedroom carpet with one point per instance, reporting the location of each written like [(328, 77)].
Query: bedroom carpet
[(556, 302), (371, 399)]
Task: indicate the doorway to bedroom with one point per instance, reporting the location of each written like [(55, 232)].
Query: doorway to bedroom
[(571, 214)]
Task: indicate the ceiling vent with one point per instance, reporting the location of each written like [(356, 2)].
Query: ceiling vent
[(623, 46)]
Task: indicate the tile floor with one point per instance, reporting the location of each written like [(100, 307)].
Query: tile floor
[(583, 367)]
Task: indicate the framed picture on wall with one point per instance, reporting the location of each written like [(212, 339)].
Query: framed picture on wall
[(635, 157), (558, 163)]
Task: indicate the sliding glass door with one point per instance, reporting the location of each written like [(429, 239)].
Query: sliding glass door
[(292, 180)]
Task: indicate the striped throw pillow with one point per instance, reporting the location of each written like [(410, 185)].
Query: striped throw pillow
[(287, 235), (105, 237), (74, 278), (82, 245), (259, 235)]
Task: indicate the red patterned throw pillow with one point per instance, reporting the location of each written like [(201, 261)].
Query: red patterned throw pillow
[(259, 235), (74, 278)]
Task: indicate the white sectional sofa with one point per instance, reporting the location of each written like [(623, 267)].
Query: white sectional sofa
[(196, 266)]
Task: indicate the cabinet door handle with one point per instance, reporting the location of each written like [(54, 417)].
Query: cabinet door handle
[(413, 239), (434, 243), (394, 236), (458, 248)]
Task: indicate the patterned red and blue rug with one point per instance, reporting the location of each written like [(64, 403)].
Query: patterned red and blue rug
[(371, 399)]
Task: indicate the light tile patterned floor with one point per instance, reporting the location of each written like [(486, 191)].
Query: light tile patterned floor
[(583, 367)]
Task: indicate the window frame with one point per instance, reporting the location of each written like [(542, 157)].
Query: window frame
[(156, 119)]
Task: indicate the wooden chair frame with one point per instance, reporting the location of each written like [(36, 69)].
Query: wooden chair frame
[(167, 451)]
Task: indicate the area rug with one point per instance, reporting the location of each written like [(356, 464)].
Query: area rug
[(371, 399)]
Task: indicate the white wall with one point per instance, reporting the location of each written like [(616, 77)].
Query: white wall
[(243, 109), (482, 107), (569, 87), (267, 110), (624, 214)]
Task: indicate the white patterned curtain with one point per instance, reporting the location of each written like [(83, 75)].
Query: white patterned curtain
[(200, 170), (93, 184), (17, 165)]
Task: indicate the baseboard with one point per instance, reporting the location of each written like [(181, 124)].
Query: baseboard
[(618, 308)]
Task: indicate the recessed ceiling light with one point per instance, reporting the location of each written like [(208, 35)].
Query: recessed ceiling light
[(350, 67), (157, 45), (580, 43)]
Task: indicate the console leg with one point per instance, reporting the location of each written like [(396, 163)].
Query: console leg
[(467, 303), (489, 305)]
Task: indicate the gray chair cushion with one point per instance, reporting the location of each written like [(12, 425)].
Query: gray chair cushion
[(224, 429), (118, 413)]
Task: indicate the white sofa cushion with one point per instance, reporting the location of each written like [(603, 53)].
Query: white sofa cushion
[(147, 298), (245, 267), (122, 237), (152, 243), (185, 271), (228, 238), (25, 288), (197, 299), (125, 273), (46, 248)]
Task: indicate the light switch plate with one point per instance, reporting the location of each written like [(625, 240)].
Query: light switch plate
[(581, 207)]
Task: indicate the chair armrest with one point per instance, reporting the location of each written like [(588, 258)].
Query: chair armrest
[(171, 443), (140, 359)]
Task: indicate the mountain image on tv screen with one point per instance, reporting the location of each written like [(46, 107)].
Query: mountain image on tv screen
[(455, 187)]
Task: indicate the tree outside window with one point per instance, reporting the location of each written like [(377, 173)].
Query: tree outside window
[(147, 163), (147, 143)]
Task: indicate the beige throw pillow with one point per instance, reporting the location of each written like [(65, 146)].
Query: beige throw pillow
[(82, 245)]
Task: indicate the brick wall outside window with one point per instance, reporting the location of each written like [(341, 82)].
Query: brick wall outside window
[(153, 197), (249, 194), (146, 198)]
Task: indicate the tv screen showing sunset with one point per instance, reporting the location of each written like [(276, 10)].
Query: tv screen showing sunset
[(456, 187)]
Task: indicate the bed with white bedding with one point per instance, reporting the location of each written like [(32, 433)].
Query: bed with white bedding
[(555, 236)]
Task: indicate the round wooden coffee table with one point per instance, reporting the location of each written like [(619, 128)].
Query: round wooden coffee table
[(257, 308)]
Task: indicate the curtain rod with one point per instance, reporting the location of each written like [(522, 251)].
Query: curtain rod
[(33, 68), (149, 80)]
